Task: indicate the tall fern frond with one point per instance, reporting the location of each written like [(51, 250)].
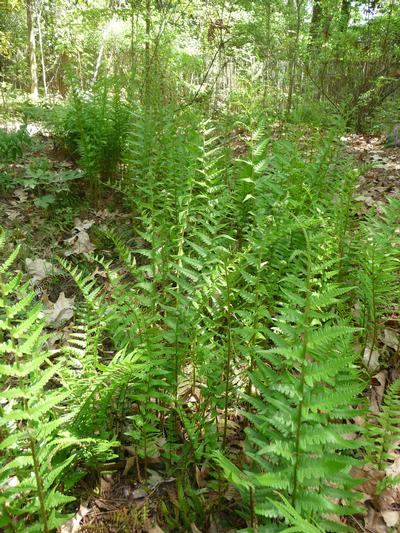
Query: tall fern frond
[(30, 414)]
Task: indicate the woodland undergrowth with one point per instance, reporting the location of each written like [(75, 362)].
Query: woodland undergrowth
[(229, 343)]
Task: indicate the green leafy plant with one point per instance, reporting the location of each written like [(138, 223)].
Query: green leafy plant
[(303, 400), (30, 473), (93, 127), (378, 255), (383, 432), (13, 144)]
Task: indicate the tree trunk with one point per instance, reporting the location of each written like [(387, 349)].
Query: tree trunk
[(345, 12), (315, 24), (294, 28), (39, 27), (267, 58), (32, 50), (98, 62), (147, 57)]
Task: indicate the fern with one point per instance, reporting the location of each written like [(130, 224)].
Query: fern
[(378, 257), (30, 415), (305, 389), (299, 525), (383, 431)]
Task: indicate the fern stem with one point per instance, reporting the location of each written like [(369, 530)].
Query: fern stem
[(302, 379), (373, 310), (229, 354), (39, 484), (252, 508), (176, 369), (256, 322)]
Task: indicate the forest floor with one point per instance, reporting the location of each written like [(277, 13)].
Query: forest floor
[(49, 222)]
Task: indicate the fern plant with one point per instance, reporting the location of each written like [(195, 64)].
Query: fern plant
[(383, 431), (93, 127), (13, 144), (30, 413), (305, 394), (378, 257)]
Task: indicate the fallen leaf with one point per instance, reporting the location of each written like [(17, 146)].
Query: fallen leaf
[(139, 494), (371, 359), (374, 522), (82, 226), (378, 383), (80, 244), (393, 469), (105, 505), (390, 339), (21, 195), (61, 310), (11, 214), (130, 463), (391, 518), (368, 200), (201, 475), (369, 477), (39, 269), (73, 525), (105, 484)]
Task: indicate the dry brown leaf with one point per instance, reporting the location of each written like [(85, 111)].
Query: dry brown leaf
[(130, 463), (82, 225), (368, 200), (393, 469), (201, 475), (371, 358), (105, 505), (39, 269), (80, 244), (11, 214), (73, 525), (391, 518), (61, 310), (378, 390), (374, 522), (105, 484), (390, 339), (370, 477), (21, 195)]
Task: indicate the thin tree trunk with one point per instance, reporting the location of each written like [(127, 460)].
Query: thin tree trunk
[(345, 12), (101, 51), (315, 25), (132, 34), (147, 57), (32, 50), (39, 27), (267, 59), (293, 48), (98, 62)]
